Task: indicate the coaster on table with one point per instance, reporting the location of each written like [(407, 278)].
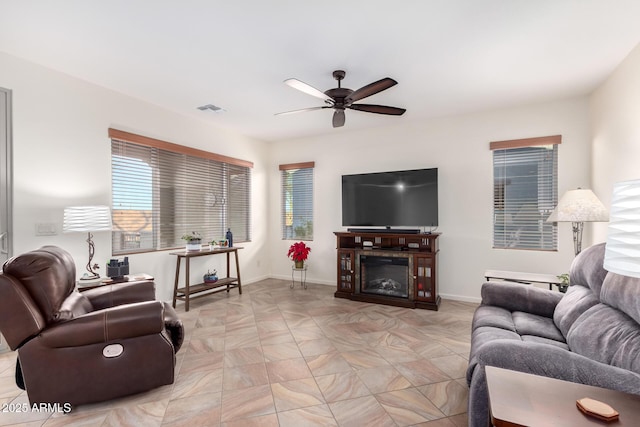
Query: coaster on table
[(597, 409)]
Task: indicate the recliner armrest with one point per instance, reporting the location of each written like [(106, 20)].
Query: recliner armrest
[(554, 362), (121, 293), (121, 322), (518, 297)]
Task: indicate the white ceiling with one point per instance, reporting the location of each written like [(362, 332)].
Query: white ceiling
[(449, 56)]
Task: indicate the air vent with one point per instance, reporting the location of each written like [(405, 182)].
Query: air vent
[(212, 107)]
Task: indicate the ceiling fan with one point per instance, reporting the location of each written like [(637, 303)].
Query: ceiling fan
[(341, 98)]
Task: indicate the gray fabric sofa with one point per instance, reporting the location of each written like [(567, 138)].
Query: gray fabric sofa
[(590, 335)]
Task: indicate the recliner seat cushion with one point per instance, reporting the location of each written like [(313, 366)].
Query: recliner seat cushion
[(608, 336), (74, 306), (492, 316), (576, 301), (518, 322), (535, 325), (623, 293)]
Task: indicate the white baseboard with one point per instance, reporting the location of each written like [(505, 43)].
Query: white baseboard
[(460, 298), (309, 279), (333, 283)]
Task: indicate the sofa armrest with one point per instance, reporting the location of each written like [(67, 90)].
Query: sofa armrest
[(121, 293), (518, 297), (121, 322), (554, 362)]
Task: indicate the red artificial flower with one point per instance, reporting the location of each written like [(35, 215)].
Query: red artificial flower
[(298, 251)]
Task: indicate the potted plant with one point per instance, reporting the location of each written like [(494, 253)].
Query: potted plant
[(564, 285), (299, 252), (194, 241)]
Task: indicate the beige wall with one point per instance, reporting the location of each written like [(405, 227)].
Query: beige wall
[(615, 129), (62, 157), (459, 148)]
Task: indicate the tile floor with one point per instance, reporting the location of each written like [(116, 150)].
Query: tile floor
[(276, 356)]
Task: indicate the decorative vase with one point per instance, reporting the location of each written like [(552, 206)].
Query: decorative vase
[(299, 264), (210, 277)]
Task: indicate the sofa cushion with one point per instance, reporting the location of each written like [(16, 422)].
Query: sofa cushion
[(587, 269), (532, 324), (608, 336), (497, 317), (518, 297), (487, 334), (623, 293), (542, 340), (518, 322), (576, 301)]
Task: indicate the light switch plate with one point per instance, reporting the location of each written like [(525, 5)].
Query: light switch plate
[(46, 229)]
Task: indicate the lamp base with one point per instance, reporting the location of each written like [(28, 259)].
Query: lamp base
[(88, 278), (577, 228)]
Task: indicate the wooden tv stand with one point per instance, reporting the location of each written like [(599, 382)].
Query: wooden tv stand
[(420, 249)]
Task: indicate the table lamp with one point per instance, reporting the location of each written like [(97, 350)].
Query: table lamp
[(87, 219), (578, 206), (622, 252)]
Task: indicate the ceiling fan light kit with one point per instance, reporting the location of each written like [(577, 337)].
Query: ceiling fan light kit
[(341, 98)]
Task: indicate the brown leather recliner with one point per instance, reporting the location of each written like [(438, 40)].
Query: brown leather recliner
[(85, 347)]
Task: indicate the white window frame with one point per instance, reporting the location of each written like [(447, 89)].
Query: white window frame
[(162, 191), (525, 179), (296, 209)]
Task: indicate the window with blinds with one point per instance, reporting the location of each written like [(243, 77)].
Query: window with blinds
[(525, 177), (297, 201), (160, 194)]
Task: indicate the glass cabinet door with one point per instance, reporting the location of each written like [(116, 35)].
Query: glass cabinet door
[(346, 265), (423, 278)]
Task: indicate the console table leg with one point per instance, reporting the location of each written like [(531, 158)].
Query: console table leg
[(238, 272), (228, 274), (175, 283), (186, 284)]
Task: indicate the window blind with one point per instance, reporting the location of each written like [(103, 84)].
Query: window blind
[(525, 192), (297, 201), (159, 195)]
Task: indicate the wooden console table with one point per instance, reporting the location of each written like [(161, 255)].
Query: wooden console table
[(519, 399), (202, 289), (524, 278)]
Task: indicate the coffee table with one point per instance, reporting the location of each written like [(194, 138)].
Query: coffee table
[(519, 399)]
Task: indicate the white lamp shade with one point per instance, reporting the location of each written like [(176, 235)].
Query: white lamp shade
[(86, 218), (579, 205), (622, 253)]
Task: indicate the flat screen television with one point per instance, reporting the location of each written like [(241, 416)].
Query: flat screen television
[(391, 199)]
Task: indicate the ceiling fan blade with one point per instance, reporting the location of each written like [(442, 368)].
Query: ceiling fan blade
[(310, 90), (301, 110), (379, 109), (371, 89), (338, 118)]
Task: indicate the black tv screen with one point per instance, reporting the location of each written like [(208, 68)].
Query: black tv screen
[(391, 199)]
